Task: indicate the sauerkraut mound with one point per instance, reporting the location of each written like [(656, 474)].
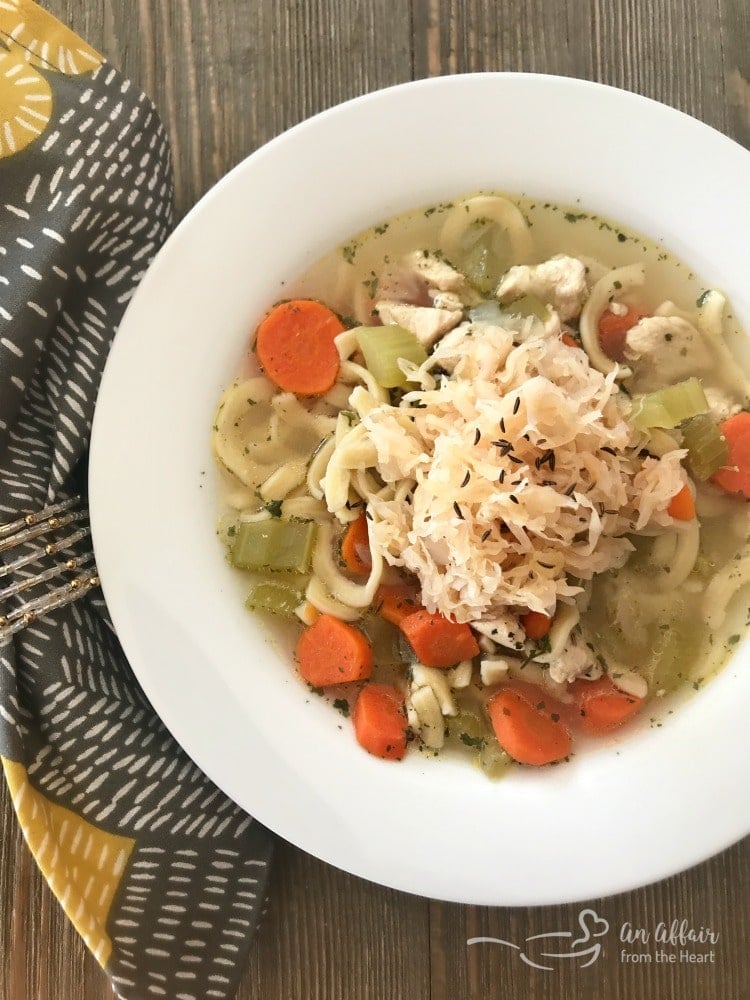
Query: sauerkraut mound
[(525, 474)]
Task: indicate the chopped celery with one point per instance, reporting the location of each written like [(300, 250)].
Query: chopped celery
[(485, 254), (384, 638), (273, 544), (493, 760), (276, 597), (528, 305), (382, 347), (707, 446), (669, 406), (469, 727), (472, 729)]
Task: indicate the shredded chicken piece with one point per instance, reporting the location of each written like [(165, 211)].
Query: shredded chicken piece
[(438, 273), (665, 350), (426, 323), (560, 281), (421, 278), (721, 403), (572, 662)]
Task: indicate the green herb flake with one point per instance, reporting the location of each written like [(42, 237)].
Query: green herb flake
[(342, 705), (473, 741), (349, 252)]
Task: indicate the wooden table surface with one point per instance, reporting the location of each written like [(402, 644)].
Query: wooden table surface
[(226, 76)]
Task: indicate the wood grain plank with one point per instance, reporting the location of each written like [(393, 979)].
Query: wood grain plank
[(330, 936), (734, 31), (226, 78), (678, 53)]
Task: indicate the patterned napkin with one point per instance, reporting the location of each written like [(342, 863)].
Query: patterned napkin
[(160, 873)]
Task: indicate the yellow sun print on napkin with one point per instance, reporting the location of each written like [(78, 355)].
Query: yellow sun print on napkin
[(25, 103), (82, 863), (31, 39), (45, 41)]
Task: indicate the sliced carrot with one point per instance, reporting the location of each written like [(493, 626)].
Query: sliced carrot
[(529, 734), (535, 695), (436, 640), (614, 328), (333, 652), (735, 476), (600, 706), (355, 547), (535, 624), (682, 506), (294, 344), (380, 721), (396, 601), (569, 340)]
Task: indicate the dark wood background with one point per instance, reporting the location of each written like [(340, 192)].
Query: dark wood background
[(227, 75)]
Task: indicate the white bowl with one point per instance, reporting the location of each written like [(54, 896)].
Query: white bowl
[(636, 810)]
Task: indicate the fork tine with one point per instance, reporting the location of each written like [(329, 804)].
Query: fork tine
[(53, 599), (39, 527), (36, 516), (37, 537), (76, 562), (51, 549)]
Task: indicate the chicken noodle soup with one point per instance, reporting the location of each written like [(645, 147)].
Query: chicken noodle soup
[(491, 460)]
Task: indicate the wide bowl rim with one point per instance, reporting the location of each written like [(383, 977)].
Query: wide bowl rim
[(377, 866)]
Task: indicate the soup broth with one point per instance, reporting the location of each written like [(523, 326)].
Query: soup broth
[(486, 462)]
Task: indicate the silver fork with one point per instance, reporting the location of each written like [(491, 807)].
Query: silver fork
[(37, 549)]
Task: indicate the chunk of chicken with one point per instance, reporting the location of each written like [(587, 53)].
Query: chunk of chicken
[(572, 662), (423, 279), (628, 681), (721, 404), (560, 281), (665, 349), (437, 273), (446, 300), (504, 630), (426, 323)]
